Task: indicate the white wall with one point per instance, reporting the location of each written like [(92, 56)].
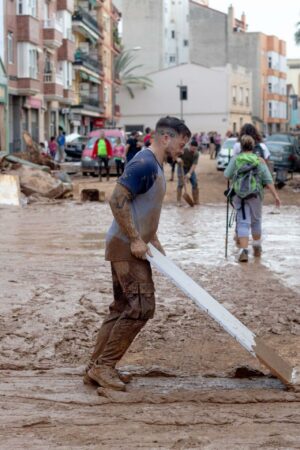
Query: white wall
[(206, 108)]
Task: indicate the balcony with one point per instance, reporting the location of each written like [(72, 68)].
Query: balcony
[(28, 29), (85, 23), (28, 86), (52, 33), (53, 86), (66, 51), (88, 102), (69, 96), (83, 59), (65, 5)]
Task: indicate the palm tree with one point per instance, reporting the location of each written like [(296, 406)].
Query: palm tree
[(124, 71), (297, 34)]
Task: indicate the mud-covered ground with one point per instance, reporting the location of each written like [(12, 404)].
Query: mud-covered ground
[(193, 385)]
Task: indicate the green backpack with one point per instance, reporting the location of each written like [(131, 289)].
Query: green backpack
[(246, 180)]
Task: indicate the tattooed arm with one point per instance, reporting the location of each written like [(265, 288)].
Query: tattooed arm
[(120, 206)]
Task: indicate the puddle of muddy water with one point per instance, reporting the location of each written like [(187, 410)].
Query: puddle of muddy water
[(197, 236), (189, 235)]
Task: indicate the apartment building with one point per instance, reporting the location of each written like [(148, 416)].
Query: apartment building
[(218, 39), (160, 28), (111, 49), (39, 65), (88, 73), (54, 53), (3, 84)]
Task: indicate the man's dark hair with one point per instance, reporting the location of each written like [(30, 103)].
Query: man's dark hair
[(147, 130), (173, 123), (194, 143)]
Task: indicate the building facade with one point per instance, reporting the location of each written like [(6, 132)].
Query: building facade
[(208, 106), (219, 39), (160, 28), (54, 54), (3, 84)]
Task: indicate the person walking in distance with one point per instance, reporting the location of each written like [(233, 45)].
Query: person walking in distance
[(119, 156), (187, 163), (133, 146), (61, 141), (104, 153), (136, 205), (249, 174)]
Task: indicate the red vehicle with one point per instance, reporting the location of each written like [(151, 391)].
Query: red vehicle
[(89, 162)]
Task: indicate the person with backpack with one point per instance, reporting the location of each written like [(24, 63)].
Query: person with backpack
[(260, 148), (249, 175)]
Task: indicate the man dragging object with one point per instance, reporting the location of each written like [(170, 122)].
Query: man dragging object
[(136, 205), (187, 163)]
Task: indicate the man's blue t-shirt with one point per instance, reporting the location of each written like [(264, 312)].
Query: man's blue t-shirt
[(144, 178)]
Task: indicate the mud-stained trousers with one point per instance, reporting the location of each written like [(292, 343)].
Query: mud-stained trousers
[(133, 306)]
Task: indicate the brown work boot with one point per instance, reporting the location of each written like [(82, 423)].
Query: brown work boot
[(126, 377), (179, 195), (257, 251), (195, 193), (106, 377)]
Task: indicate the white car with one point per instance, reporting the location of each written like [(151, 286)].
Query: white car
[(225, 153)]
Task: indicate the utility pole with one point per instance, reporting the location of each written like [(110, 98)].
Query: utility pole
[(183, 95)]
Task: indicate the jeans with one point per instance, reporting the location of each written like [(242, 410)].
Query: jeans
[(193, 180)]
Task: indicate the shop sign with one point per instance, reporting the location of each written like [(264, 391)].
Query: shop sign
[(99, 123)]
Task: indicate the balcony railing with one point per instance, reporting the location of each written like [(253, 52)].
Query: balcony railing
[(53, 77), (53, 24), (83, 16), (89, 100), (87, 61)]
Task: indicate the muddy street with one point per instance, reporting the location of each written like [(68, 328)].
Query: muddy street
[(193, 386)]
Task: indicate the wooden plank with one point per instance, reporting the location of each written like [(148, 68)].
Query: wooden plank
[(275, 363)]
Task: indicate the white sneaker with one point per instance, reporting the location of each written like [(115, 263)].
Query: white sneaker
[(243, 255)]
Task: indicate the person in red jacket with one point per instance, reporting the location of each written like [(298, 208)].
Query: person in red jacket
[(103, 152)]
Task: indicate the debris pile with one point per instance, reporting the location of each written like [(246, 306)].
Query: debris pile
[(37, 173)]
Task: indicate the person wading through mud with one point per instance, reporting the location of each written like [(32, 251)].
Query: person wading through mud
[(136, 205), (247, 195), (187, 163)]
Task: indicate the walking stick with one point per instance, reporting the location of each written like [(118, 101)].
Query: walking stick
[(227, 211)]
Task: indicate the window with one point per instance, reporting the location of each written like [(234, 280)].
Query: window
[(234, 95), (241, 96), (10, 47), (185, 43), (247, 97), (270, 87), (270, 62), (172, 34), (27, 7), (172, 58), (33, 64), (270, 109)]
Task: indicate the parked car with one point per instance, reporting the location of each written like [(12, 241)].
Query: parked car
[(75, 148), (284, 138), (225, 153), (89, 165), (284, 155)]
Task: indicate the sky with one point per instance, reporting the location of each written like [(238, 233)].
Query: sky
[(277, 17)]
